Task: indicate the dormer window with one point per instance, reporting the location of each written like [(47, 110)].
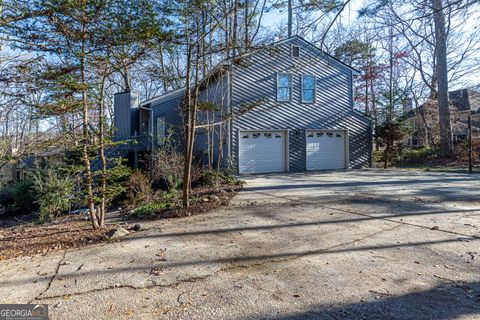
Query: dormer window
[(295, 52)]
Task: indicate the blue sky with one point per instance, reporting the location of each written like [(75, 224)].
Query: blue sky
[(274, 18)]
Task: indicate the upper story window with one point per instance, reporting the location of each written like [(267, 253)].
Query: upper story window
[(295, 52), (308, 89), (284, 87)]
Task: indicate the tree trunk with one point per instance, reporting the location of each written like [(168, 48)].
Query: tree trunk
[(126, 78), (164, 72), (290, 18), (188, 137), (367, 111), (86, 157), (446, 143), (246, 41), (235, 27), (101, 138)]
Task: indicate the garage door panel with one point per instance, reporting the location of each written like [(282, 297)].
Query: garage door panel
[(262, 152), (325, 149)]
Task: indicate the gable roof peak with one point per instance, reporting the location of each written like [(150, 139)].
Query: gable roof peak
[(316, 48)]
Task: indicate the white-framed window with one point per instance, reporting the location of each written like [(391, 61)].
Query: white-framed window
[(308, 89), (160, 131), (295, 52), (284, 87)]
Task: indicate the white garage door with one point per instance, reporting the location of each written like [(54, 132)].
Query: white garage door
[(326, 149), (262, 151)]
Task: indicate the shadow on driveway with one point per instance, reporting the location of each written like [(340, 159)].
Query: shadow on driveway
[(447, 301)]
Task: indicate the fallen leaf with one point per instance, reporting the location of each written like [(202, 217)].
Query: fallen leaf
[(156, 271)]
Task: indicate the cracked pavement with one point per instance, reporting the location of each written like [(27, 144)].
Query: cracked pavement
[(361, 244)]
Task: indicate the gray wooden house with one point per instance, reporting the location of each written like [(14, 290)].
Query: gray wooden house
[(287, 107)]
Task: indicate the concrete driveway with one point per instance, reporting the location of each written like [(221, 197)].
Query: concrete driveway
[(368, 244)]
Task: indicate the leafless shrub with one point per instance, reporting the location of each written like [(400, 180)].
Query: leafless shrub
[(167, 165), (139, 188)]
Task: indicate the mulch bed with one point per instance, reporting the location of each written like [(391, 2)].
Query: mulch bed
[(25, 237), (200, 206), (71, 231)]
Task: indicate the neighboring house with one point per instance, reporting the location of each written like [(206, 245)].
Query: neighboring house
[(16, 170), (9, 173), (462, 103), (300, 113)]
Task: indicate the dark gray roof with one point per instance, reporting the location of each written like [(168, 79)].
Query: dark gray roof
[(462, 100)]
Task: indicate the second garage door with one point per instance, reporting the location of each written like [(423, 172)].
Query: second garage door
[(326, 149), (262, 151)]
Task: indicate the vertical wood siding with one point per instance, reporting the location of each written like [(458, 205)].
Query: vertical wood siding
[(125, 106)]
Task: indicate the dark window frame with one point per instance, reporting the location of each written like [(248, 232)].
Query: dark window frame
[(292, 51), (290, 91), (314, 89)]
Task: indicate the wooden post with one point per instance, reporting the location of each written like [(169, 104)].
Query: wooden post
[(470, 164)]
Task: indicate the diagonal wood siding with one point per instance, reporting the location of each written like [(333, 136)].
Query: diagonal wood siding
[(333, 107)]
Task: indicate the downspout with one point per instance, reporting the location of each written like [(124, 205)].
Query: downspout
[(150, 129), (152, 137), (230, 111)]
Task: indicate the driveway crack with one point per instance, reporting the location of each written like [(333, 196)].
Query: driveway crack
[(390, 219), (52, 278), (226, 268), (385, 218)]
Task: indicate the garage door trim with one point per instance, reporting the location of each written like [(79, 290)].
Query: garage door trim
[(346, 144), (287, 145)]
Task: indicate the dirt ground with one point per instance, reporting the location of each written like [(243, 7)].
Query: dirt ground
[(364, 244), (24, 236)]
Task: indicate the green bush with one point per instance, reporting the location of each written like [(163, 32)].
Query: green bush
[(390, 135), (377, 156), (118, 175), (54, 192), (214, 179), (152, 209), (18, 198), (7, 201), (24, 196), (148, 210), (417, 156)]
